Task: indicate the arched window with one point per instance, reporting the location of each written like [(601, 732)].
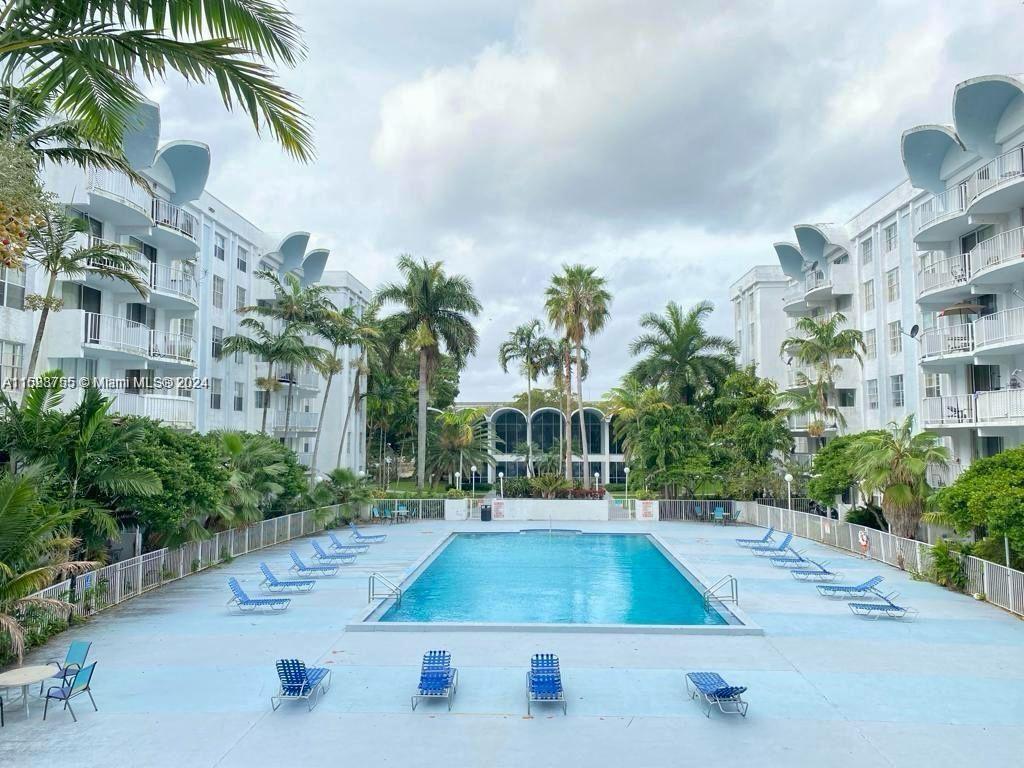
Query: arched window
[(615, 446), (547, 430), (509, 430), (592, 420)]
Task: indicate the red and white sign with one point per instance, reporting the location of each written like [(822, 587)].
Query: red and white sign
[(498, 509)]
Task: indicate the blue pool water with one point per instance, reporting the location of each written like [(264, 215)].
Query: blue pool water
[(560, 578)]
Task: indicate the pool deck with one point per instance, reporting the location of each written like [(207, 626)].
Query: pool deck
[(180, 681)]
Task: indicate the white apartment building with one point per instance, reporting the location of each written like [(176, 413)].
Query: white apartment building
[(200, 258), (758, 294), (933, 274)]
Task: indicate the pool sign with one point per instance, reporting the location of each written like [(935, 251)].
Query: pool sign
[(646, 509), (498, 509)]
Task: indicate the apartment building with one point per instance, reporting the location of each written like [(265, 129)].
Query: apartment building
[(933, 274), (161, 355), (755, 297)]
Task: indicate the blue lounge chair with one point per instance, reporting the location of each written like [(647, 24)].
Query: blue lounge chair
[(376, 538), (715, 691), (300, 683), (719, 515), (766, 550), (323, 556), (402, 513), (243, 602), (544, 681), (865, 589), (762, 542), (816, 571), (887, 609), (66, 693), (792, 559), (438, 678), (273, 584), (73, 662), (341, 546), (302, 569)]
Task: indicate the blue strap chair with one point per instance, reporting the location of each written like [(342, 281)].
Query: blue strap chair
[(311, 570), (273, 584), (376, 538), (864, 589), (544, 682), (763, 541), (73, 662), (343, 546), (766, 550), (299, 682), (438, 678), (715, 691), (243, 602), (66, 693), (322, 555)]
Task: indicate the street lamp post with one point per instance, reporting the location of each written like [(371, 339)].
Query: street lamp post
[(626, 471), (789, 490), (472, 470), (501, 481), (597, 480), (458, 480), (387, 472)]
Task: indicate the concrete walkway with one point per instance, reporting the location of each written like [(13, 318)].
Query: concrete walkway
[(183, 682)]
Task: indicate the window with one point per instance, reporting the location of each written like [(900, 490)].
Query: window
[(215, 391), (870, 344), (869, 295), (12, 288), (891, 240), (239, 297), (147, 250), (847, 397), (260, 399), (896, 385), (895, 337), (871, 392), (217, 339), (242, 259), (865, 251), (187, 326), (11, 358), (239, 396), (219, 246), (892, 284), (138, 380), (218, 292), (239, 356), (932, 385)]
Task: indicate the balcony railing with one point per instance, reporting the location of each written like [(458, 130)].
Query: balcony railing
[(950, 340), (999, 327), (1005, 247), (167, 214), (117, 185), (940, 477), (795, 379), (178, 347), (815, 280), (304, 420), (175, 280), (944, 273), (1001, 405), (949, 409), (175, 411), (952, 202), (1005, 168), (115, 333)]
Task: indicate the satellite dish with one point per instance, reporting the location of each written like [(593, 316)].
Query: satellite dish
[(914, 330), (814, 264), (789, 361)]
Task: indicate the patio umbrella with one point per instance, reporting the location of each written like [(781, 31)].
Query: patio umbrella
[(962, 308)]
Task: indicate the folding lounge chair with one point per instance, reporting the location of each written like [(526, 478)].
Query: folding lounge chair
[(544, 682), (73, 662), (816, 571), (341, 546), (438, 678), (302, 569), (66, 693), (762, 542), (273, 584), (376, 538), (865, 589), (715, 691), (243, 602), (884, 610), (792, 559), (766, 550), (320, 554), (299, 682)]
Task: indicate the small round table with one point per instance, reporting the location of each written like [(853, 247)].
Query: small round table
[(24, 677)]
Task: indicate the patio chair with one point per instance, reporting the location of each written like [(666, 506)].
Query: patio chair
[(816, 571), (73, 662), (300, 683), (402, 513), (273, 584), (244, 603), (884, 610), (716, 692), (792, 559), (438, 678), (302, 569), (376, 538), (763, 541), (765, 550), (66, 693), (720, 516), (342, 546), (544, 681), (343, 558), (864, 589)]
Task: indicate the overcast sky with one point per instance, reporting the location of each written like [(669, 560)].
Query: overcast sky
[(667, 143)]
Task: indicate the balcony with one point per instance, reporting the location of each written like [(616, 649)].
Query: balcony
[(307, 381), (944, 280), (1001, 332), (941, 477), (173, 411), (999, 185), (953, 343), (175, 228), (793, 302), (173, 287), (117, 336), (172, 348), (305, 458), (300, 421), (116, 198), (999, 259), (798, 375), (948, 411), (1001, 407), (943, 217), (823, 287)]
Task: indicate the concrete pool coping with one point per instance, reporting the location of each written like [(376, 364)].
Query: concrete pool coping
[(738, 623)]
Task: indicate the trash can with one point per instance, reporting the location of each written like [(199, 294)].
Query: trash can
[(485, 513)]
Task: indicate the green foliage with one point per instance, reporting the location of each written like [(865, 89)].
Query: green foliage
[(671, 449), (21, 200), (549, 486), (946, 568), (832, 470), (645, 494), (542, 398), (455, 493), (868, 516)]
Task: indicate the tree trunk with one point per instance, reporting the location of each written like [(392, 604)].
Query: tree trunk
[(348, 412), (320, 426), (266, 398), (37, 343), (583, 422), (421, 423), (288, 403), (568, 413), (529, 423)]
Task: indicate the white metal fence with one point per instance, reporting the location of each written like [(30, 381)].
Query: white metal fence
[(1000, 585), (694, 509), (117, 582), (414, 509)]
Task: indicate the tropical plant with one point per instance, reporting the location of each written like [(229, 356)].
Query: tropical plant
[(810, 400), (348, 490), (625, 403), (365, 334), (21, 198), (537, 355), (458, 438), (679, 354), (432, 311), (894, 462), (672, 450), (254, 470), (87, 54), (549, 486), (576, 302), (60, 250), (946, 566)]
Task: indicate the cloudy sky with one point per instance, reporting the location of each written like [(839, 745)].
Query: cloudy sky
[(667, 143)]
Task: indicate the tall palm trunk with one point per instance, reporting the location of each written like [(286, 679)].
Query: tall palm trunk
[(529, 422), (37, 343), (583, 421), (320, 425), (266, 398), (352, 398), (566, 361), (421, 423), (288, 402)]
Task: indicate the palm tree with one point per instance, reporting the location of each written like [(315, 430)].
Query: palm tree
[(679, 354), (536, 354), (433, 311), (87, 53), (55, 248), (577, 304), (458, 436), (809, 399), (365, 336), (253, 467), (626, 403), (895, 463)]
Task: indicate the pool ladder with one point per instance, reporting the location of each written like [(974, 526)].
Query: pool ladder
[(712, 592), (389, 588)]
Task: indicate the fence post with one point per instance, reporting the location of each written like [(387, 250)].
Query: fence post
[(984, 578)]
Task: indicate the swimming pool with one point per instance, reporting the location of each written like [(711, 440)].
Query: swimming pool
[(542, 577)]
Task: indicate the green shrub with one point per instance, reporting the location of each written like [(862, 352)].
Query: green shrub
[(518, 488), (867, 516), (549, 486), (646, 495), (455, 493), (946, 567)]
